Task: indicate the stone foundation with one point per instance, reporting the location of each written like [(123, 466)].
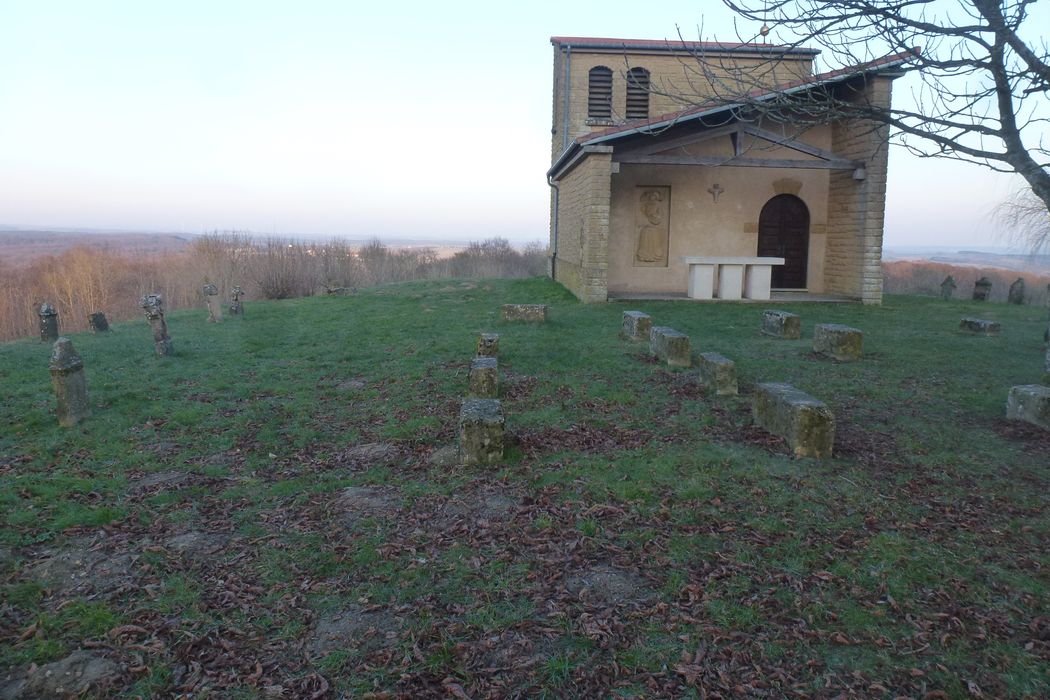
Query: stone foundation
[(838, 341), (782, 324), (1029, 403), (481, 426), (979, 326), (670, 345), (524, 312), (807, 424), (716, 372), (484, 378), (636, 325)]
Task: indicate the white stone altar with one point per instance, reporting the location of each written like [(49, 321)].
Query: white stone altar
[(730, 278)]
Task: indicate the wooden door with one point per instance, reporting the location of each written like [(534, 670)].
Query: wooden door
[(783, 232)]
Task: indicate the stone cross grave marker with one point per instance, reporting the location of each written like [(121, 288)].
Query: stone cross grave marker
[(237, 308), (948, 287), (48, 323), (153, 305), (67, 379), (98, 323), (981, 289), (1016, 294), (211, 297)]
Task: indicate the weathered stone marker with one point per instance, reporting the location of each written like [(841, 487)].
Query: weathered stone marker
[(524, 312), (488, 345), (782, 324), (481, 426), (153, 305), (237, 308), (1016, 294), (484, 378), (979, 326), (211, 297), (836, 340), (981, 289), (67, 379), (1029, 403), (670, 345), (948, 287), (806, 423), (98, 323), (48, 323), (636, 325), (717, 372)]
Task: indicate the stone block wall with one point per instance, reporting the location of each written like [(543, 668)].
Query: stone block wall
[(856, 208), (581, 250)]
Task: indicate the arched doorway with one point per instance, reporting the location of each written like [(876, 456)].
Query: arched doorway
[(783, 232)]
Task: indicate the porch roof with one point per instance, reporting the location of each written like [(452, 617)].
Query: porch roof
[(603, 140)]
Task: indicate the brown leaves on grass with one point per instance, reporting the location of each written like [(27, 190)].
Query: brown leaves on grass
[(582, 438)]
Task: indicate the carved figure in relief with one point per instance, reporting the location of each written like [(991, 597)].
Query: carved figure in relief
[(652, 234)]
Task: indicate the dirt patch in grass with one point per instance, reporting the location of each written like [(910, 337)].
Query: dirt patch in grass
[(517, 387), (194, 544), (354, 627), (582, 438), (1033, 438), (159, 481), (369, 454), (608, 584), (355, 503), (81, 674), (82, 569)]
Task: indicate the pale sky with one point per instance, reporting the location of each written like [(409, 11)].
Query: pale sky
[(398, 120)]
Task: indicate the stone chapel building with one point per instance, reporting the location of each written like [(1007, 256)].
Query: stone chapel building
[(639, 183)]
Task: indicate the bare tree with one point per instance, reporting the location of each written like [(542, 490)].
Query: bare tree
[(1026, 221), (984, 67)]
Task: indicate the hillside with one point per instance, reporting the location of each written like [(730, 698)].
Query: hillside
[(275, 510), (20, 247)]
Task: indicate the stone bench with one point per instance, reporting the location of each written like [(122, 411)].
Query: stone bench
[(838, 341), (1029, 403), (484, 378), (524, 312), (806, 423), (636, 325), (488, 345), (717, 372), (979, 326), (670, 345), (481, 426), (782, 324)]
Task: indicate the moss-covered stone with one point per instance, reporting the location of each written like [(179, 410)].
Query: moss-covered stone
[(481, 427), (670, 345), (488, 345), (717, 372), (836, 340), (524, 312), (806, 423), (636, 326), (484, 378), (1029, 403), (782, 324), (69, 383), (979, 326)]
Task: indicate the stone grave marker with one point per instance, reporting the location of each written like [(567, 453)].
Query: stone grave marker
[(806, 423), (979, 326), (481, 428), (782, 324), (524, 312), (98, 323), (838, 341), (670, 345), (153, 305), (1029, 403), (211, 298), (981, 289), (636, 325), (948, 287), (48, 323), (484, 378), (236, 307), (67, 379), (1016, 293), (717, 372), (488, 345)]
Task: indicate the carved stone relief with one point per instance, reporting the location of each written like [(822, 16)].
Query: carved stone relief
[(652, 222)]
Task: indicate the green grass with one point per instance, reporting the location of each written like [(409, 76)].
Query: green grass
[(920, 545)]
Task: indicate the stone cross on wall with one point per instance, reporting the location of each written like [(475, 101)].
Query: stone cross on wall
[(716, 191), (211, 296), (153, 305), (67, 379), (48, 323)]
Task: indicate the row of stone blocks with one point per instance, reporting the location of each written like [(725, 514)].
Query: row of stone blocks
[(675, 348), (481, 420), (841, 342)]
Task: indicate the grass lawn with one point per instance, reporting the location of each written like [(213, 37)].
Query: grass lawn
[(276, 511)]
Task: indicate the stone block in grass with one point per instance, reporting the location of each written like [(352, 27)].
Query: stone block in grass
[(782, 324), (524, 312), (636, 325), (481, 427), (1029, 403), (806, 423), (670, 345), (979, 326), (836, 340), (484, 378), (488, 345), (716, 372)]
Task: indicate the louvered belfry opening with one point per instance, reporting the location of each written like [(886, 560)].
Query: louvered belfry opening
[(599, 93), (638, 93)]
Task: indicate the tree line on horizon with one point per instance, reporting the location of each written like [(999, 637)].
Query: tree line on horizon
[(83, 280)]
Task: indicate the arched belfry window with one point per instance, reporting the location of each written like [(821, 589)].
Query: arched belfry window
[(599, 93), (638, 93)]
